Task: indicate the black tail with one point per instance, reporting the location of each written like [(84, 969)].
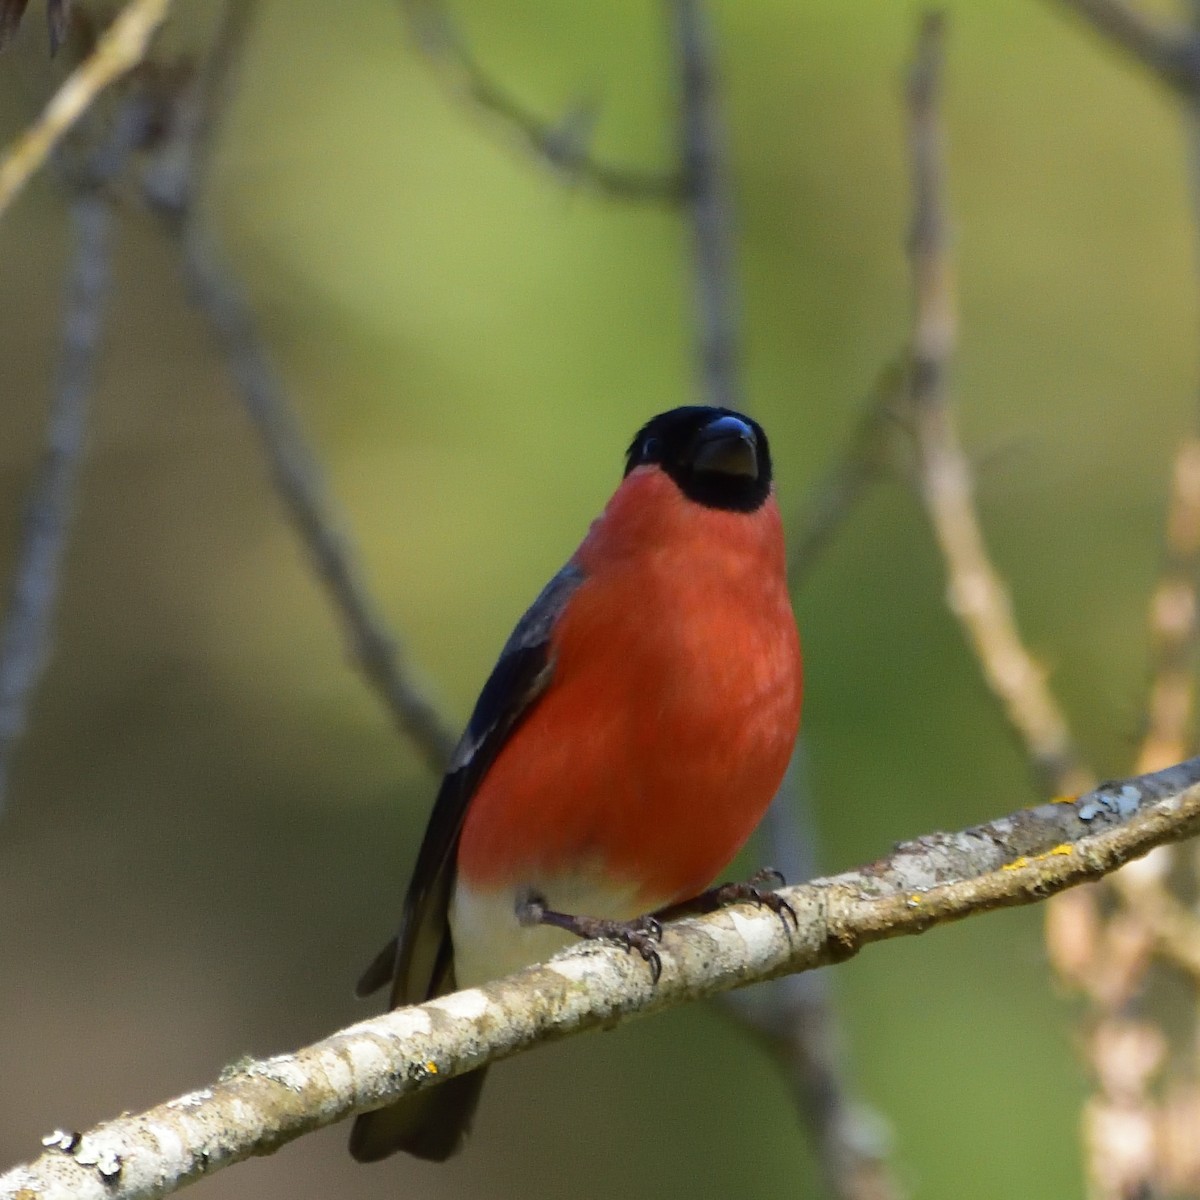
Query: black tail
[(432, 1124)]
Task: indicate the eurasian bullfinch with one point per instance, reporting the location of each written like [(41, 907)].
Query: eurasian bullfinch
[(630, 737)]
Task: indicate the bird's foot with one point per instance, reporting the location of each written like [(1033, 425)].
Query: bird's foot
[(641, 933), (757, 890)]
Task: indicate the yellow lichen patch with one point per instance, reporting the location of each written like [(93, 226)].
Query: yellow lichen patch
[(913, 901), (431, 1067), (1060, 850), (1065, 799), (1016, 864)]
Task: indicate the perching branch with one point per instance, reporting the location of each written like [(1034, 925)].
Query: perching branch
[(119, 49), (795, 1016), (257, 1108), (562, 146)]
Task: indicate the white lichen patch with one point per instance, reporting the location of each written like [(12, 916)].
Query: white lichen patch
[(463, 1006), (365, 1059), (755, 934), (192, 1099), (574, 968), (401, 1023), (283, 1069), (170, 1143)]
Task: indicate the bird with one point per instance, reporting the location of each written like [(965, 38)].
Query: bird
[(635, 728)]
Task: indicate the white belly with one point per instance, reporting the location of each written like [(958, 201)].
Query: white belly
[(489, 942)]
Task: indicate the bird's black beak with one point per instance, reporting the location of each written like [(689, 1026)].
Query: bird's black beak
[(726, 446)]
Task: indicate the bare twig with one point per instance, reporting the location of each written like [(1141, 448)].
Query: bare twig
[(119, 49), (561, 146), (864, 461), (975, 591), (795, 1017), (25, 636), (255, 1109), (180, 167), (1173, 620)]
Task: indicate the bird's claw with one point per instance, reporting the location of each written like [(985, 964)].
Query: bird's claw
[(640, 933), (754, 892)]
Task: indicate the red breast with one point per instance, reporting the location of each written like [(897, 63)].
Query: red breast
[(674, 705)]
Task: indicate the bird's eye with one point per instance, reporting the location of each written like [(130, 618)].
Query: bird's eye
[(651, 449)]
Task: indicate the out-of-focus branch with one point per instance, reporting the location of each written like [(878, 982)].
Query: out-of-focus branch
[(975, 592), (794, 1017), (58, 14), (174, 180), (120, 48), (1138, 1065), (174, 175), (708, 203), (1169, 49), (301, 484), (865, 459), (562, 146), (26, 633), (939, 878), (1173, 620)]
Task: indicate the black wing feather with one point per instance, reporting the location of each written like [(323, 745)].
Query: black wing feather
[(418, 960)]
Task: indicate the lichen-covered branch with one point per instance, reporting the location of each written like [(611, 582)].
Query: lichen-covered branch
[(119, 49), (942, 877)]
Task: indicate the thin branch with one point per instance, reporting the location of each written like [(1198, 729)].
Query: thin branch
[(119, 49), (254, 1109), (1173, 620), (302, 486), (174, 181), (975, 592), (795, 1017), (175, 174), (709, 205), (27, 629), (1169, 49), (863, 462), (561, 146)]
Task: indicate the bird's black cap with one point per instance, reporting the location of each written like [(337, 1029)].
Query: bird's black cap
[(718, 457)]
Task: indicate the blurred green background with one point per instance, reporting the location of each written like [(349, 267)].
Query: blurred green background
[(211, 822)]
